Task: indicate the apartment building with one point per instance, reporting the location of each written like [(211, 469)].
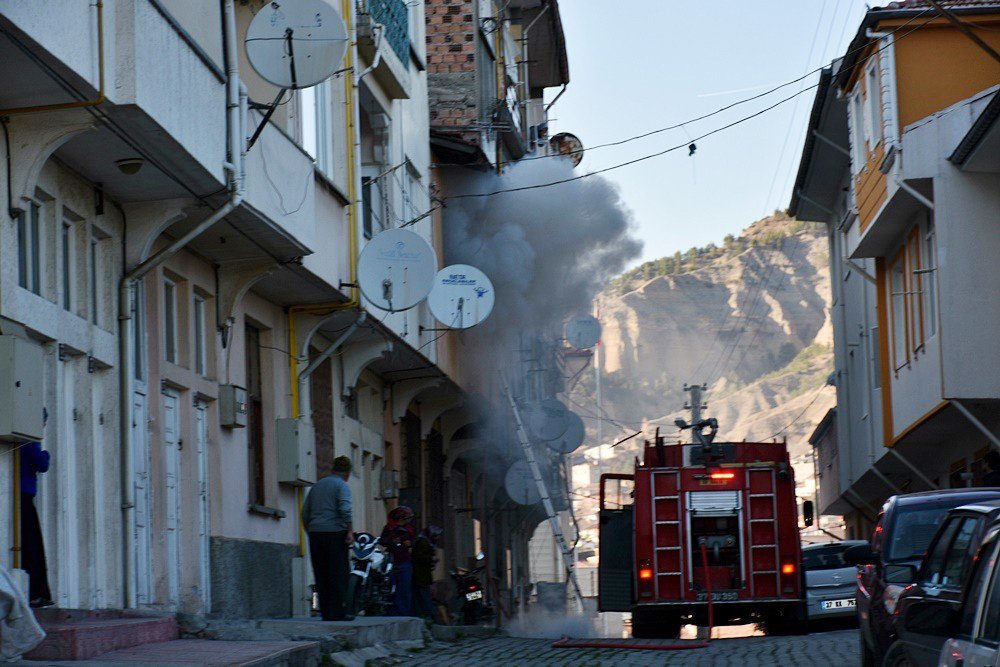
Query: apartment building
[(172, 285), (900, 163)]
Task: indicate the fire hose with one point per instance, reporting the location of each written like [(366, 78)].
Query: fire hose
[(566, 642)]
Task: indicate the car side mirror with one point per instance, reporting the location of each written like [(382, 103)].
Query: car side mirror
[(931, 618), (808, 513), (900, 573), (861, 554)]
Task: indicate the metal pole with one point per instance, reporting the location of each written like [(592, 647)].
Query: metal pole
[(992, 437), (913, 468)]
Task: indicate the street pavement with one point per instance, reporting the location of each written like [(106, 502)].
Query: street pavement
[(835, 649)]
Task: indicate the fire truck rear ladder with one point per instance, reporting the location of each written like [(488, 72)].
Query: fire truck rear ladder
[(761, 522), (557, 532)]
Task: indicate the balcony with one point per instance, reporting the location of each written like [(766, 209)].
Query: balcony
[(392, 72)]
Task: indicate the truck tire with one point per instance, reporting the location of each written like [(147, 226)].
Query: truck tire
[(651, 625)]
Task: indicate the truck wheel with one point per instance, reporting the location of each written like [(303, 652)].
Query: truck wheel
[(650, 625)]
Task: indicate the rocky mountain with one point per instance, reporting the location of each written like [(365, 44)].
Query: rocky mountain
[(750, 319)]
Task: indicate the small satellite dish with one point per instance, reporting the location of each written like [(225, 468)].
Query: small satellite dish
[(583, 332), (520, 484), (296, 43), (571, 440), (396, 270), (462, 296), (546, 420), (568, 145)]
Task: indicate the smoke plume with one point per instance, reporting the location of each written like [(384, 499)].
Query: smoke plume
[(548, 251)]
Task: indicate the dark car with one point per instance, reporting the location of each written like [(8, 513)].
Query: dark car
[(927, 611), (904, 529)]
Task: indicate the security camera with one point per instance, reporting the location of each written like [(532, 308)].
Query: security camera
[(130, 166)]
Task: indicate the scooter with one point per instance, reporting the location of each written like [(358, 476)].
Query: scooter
[(369, 588), (471, 599)]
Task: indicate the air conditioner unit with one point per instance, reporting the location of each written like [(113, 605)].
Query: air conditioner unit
[(389, 483)]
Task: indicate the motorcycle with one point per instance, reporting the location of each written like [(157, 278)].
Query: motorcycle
[(471, 600), (369, 588)]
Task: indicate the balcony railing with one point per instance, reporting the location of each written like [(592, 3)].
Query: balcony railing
[(395, 16)]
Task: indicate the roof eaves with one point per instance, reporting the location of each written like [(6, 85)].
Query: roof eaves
[(982, 125), (822, 91)]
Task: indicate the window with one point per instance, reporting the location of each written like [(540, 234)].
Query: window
[(897, 309), (29, 248), (925, 280), (936, 558), (170, 321), (990, 628), (95, 289), (960, 555), (914, 302), (255, 415), (67, 247), (366, 206), (873, 103), (199, 334)]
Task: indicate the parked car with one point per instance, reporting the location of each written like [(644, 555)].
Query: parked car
[(932, 610), (887, 565), (831, 581)]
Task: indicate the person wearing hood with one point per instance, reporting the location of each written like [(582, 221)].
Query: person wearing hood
[(424, 552), (398, 537)]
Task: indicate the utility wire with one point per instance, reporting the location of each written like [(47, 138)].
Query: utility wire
[(798, 416)]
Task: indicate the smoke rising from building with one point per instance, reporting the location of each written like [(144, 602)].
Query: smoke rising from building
[(548, 251)]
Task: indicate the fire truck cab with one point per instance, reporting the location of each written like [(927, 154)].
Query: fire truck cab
[(710, 519)]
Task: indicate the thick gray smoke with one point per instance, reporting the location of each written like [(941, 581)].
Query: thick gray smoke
[(548, 251)]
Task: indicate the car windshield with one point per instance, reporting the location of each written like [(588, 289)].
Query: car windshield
[(915, 525), (824, 558)]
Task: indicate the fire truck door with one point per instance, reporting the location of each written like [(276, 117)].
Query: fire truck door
[(614, 572)]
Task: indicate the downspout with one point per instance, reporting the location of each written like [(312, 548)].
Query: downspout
[(126, 290), (100, 76)]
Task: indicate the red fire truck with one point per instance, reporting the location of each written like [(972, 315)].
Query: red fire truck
[(703, 519)]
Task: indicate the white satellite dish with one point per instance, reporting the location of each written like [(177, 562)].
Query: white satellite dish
[(396, 270), (462, 296), (583, 332), (520, 484), (571, 440), (296, 43), (546, 420)]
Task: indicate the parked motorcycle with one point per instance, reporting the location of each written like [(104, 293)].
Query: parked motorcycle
[(471, 599), (369, 588)]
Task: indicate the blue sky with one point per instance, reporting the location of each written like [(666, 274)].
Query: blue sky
[(639, 65)]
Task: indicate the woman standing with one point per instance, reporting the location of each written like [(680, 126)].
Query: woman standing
[(423, 570), (398, 536)]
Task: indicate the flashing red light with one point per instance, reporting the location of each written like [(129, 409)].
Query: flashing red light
[(788, 568), (723, 475), (646, 573)]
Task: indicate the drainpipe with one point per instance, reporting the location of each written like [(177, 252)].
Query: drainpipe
[(379, 30), (126, 290)]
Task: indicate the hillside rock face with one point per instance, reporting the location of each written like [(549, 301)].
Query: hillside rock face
[(753, 323)]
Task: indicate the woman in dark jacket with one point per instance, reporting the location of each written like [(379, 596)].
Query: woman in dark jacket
[(423, 570)]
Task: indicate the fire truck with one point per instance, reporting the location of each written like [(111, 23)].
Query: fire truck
[(703, 521)]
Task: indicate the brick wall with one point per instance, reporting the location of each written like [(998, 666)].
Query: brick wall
[(451, 66)]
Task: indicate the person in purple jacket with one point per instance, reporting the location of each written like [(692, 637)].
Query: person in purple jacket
[(34, 460)]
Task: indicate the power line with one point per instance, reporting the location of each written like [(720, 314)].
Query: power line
[(798, 416)]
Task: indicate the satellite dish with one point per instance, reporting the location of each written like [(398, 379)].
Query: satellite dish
[(396, 270), (296, 43), (546, 420), (583, 332), (569, 146), (462, 296), (571, 440), (520, 484)]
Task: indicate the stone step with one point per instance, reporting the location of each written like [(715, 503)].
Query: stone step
[(333, 636), (182, 652), (74, 634)]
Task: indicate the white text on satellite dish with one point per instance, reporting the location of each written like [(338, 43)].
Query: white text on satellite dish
[(296, 43), (462, 296), (396, 270)]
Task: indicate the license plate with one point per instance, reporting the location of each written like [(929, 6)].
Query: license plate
[(474, 595), (839, 604), (724, 596)]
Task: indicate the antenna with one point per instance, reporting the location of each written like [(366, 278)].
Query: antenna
[(396, 270), (546, 419), (582, 332), (571, 440), (294, 44), (462, 296)]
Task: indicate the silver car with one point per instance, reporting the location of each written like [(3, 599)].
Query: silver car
[(975, 628), (830, 582)]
